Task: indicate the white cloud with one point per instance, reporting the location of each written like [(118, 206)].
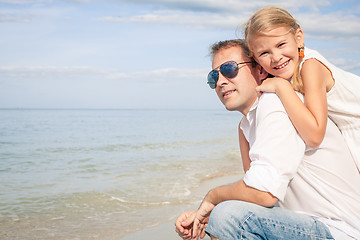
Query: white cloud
[(25, 1), (17, 1), (350, 65), (99, 54), (234, 6), (85, 72), (48, 73), (36, 12), (161, 75), (87, 87), (335, 25), (197, 21), (13, 17)]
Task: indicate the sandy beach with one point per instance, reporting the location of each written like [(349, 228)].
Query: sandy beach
[(104, 174), (166, 231)]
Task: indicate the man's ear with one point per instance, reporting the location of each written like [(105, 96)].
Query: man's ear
[(262, 74)]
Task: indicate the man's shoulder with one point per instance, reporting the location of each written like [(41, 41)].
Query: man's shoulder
[(269, 102)]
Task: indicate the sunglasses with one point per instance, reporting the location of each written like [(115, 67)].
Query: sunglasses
[(228, 69)]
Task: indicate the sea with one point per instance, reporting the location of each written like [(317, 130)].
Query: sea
[(103, 174)]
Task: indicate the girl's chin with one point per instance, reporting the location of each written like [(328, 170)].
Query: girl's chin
[(284, 75)]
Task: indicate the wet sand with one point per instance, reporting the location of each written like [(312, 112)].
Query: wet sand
[(166, 231)]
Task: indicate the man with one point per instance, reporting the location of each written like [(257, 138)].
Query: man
[(318, 190)]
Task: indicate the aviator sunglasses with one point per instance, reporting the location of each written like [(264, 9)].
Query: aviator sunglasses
[(228, 69)]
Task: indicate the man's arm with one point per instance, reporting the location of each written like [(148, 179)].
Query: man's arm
[(236, 191), (276, 148), (244, 150), (276, 154), (240, 191)]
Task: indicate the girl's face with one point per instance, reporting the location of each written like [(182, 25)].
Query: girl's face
[(277, 51)]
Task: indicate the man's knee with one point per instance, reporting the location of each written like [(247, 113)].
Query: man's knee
[(227, 219), (221, 212), (224, 219), (228, 210)]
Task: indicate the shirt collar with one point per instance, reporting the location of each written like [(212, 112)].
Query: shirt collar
[(255, 104), (250, 115), (252, 109)]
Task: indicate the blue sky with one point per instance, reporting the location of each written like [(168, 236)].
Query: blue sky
[(142, 53)]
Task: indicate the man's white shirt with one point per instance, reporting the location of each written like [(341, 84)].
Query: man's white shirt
[(322, 182)]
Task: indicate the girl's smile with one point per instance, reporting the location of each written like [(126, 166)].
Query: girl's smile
[(277, 51), (282, 65)]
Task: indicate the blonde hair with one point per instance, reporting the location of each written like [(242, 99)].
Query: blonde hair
[(266, 19)]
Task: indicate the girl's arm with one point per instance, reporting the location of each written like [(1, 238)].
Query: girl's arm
[(310, 119), (244, 150)]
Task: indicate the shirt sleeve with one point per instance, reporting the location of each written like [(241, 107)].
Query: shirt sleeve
[(277, 150)]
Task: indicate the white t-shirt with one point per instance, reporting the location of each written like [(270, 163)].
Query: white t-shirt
[(343, 101), (321, 182)]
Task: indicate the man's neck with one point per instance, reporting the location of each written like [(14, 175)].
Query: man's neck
[(251, 102)]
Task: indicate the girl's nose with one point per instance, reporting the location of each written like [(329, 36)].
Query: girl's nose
[(276, 56)]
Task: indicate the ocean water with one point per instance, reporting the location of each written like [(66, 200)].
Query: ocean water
[(102, 174)]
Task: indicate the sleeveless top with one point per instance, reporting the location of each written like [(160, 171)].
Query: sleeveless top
[(343, 103)]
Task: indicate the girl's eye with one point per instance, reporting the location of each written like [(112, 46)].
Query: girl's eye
[(263, 54), (282, 44)]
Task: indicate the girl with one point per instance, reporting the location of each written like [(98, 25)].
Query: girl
[(276, 42)]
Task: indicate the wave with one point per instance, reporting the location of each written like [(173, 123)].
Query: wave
[(141, 203), (166, 145)]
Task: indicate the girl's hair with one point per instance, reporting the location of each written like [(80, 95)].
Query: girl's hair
[(267, 19)]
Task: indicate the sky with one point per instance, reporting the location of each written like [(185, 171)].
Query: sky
[(143, 54)]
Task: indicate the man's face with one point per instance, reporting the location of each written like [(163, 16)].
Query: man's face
[(238, 93)]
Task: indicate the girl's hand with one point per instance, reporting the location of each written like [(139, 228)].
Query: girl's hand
[(271, 85)]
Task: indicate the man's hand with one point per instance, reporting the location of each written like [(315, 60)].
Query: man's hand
[(202, 219), (192, 224), (184, 224)]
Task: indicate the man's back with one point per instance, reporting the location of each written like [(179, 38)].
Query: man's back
[(323, 182), (329, 183)]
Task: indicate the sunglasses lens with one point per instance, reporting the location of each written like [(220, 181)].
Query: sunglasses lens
[(229, 69), (213, 78)]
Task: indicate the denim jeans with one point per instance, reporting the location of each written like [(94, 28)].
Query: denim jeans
[(242, 220)]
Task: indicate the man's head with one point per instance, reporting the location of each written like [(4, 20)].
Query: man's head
[(237, 75)]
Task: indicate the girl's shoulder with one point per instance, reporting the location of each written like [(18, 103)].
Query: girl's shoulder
[(316, 71), (310, 53), (313, 57)]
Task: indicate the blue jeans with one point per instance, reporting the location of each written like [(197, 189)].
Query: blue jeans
[(242, 220)]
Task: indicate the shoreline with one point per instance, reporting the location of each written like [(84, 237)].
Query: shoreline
[(166, 231)]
